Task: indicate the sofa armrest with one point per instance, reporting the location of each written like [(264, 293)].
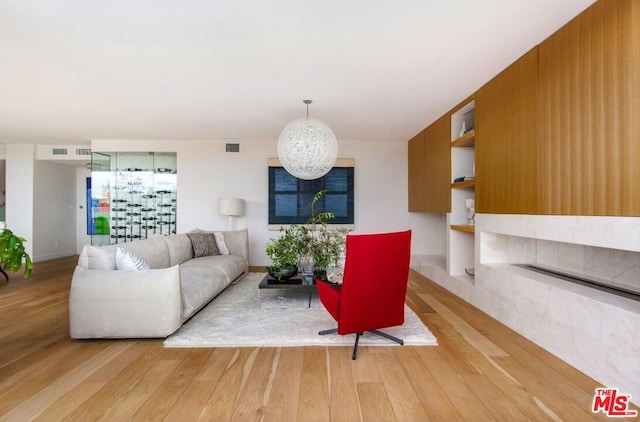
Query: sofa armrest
[(124, 304), (237, 242)]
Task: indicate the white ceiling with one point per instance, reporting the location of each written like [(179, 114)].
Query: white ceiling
[(76, 70)]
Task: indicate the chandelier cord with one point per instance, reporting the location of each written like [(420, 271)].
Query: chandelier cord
[(307, 102)]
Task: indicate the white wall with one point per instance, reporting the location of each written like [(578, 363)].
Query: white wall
[(54, 198), (19, 187), (206, 172)]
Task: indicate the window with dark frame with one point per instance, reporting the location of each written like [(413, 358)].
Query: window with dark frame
[(290, 198)]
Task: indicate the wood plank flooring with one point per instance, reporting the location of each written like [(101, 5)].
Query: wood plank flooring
[(480, 371)]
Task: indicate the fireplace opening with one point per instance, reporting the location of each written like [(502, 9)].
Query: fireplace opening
[(585, 281)]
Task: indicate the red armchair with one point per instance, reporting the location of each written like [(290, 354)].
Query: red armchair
[(374, 287)]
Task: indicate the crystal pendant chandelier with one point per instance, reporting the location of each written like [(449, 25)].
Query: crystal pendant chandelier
[(307, 148)]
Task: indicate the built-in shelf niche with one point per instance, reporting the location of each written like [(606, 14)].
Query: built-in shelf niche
[(461, 256)]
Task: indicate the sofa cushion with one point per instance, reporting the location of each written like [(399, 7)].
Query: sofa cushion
[(125, 260), (203, 278), (98, 258), (154, 251), (222, 245), (230, 266), (237, 242), (204, 244), (198, 285), (180, 249)]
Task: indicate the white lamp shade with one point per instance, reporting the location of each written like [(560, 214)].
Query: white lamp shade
[(231, 206), (307, 148)]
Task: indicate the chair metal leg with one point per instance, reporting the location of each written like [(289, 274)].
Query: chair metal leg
[(355, 347), (389, 336)]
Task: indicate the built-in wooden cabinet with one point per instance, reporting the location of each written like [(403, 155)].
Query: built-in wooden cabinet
[(557, 132), (429, 169), (438, 165), (417, 171), (589, 113), (506, 153)]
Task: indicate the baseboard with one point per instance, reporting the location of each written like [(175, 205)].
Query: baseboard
[(61, 254)]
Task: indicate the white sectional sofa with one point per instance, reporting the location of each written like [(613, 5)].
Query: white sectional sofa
[(105, 302)]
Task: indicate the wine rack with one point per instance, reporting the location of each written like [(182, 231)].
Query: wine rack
[(137, 193)]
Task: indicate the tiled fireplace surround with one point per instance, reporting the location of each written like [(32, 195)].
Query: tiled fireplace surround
[(594, 331)]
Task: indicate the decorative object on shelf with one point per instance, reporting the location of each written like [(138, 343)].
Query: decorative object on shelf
[(231, 207), (12, 253), (468, 122), (463, 179), (307, 148), (470, 205), (308, 245), (463, 130)]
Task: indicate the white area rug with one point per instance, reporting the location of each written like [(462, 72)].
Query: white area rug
[(243, 315)]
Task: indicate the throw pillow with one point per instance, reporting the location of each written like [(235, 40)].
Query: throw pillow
[(125, 260), (222, 246), (203, 243), (99, 258)]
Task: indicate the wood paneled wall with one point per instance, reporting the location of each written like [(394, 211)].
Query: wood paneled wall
[(430, 168), (438, 164), (417, 174), (506, 134), (589, 143), (558, 131)]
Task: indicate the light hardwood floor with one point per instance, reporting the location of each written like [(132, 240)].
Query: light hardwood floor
[(480, 370)]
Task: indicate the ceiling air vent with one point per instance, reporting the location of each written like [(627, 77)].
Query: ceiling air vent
[(232, 148), (83, 151), (59, 151)]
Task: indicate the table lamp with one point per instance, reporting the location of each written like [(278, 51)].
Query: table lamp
[(231, 207)]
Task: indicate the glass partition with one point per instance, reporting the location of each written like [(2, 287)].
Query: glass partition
[(133, 196)]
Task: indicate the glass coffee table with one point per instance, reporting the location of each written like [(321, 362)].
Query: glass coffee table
[(296, 283)]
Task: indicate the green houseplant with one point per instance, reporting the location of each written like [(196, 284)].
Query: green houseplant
[(313, 244), (283, 252), (12, 253)]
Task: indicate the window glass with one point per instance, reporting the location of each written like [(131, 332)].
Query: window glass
[(290, 198)]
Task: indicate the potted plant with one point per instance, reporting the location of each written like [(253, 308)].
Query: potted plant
[(283, 252), (313, 245), (328, 249), (12, 253)]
